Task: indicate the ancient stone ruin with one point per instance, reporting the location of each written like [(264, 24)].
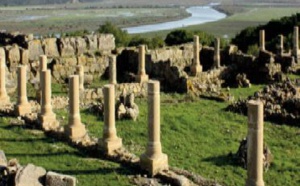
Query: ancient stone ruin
[(78, 60)]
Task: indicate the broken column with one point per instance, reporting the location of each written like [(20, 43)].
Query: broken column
[(110, 141), (23, 106), (295, 51), (42, 67), (142, 76), (262, 40), (281, 47), (75, 129), (217, 58), (112, 70), (4, 99), (196, 67), (153, 160), (80, 73), (255, 144), (47, 118)]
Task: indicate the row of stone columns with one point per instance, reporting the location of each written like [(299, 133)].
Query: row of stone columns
[(153, 160), (295, 49)]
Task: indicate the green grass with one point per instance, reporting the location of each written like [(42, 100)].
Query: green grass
[(197, 136)]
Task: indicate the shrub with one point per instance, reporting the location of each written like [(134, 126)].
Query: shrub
[(178, 37)]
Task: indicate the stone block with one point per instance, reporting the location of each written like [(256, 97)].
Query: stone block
[(106, 42), (142, 78), (35, 49), (50, 47), (3, 160), (110, 145), (55, 179), (23, 109), (30, 175), (154, 164), (66, 46)]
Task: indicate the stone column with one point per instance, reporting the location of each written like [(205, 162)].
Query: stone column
[(80, 72), (196, 67), (142, 76), (23, 106), (281, 47), (75, 129), (255, 144), (153, 160), (217, 58), (262, 40), (42, 67), (296, 43), (4, 99), (112, 70), (47, 118), (110, 141)]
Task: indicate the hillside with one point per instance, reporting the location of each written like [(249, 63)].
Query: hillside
[(146, 2), (249, 36)]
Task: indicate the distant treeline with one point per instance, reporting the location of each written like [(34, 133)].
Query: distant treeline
[(37, 2), (248, 38)]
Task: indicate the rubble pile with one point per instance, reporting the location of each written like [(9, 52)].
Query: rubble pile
[(281, 103)]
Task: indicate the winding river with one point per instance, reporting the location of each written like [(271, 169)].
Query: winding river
[(199, 15)]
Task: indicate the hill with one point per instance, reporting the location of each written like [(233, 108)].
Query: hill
[(249, 36)]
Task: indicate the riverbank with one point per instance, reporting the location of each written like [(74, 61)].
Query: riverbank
[(199, 15)]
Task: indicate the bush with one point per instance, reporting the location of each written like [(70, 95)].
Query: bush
[(253, 50), (178, 37)]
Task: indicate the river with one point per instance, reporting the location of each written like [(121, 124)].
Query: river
[(199, 15)]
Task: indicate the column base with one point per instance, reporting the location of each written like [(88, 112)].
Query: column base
[(75, 132), (142, 78), (196, 69), (110, 145), (48, 121), (251, 182), (21, 110), (4, 100), (154, 165)]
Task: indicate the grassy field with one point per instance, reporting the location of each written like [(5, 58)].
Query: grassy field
[(197, 135), (49, 20)]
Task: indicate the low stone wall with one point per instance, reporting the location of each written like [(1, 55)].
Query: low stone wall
[(91, 95)]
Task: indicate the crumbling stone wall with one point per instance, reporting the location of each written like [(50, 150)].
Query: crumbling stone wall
[(138, 89), (63, 54)]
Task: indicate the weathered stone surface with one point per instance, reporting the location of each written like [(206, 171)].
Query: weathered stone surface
[(67, 47), (55, 179), (50, 47), (92, 42), (3, 160), (35, 49), (81, 45), (24, 54), (13, 54), (241, 155), (30, 175), (106, 42), (281, 103)]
